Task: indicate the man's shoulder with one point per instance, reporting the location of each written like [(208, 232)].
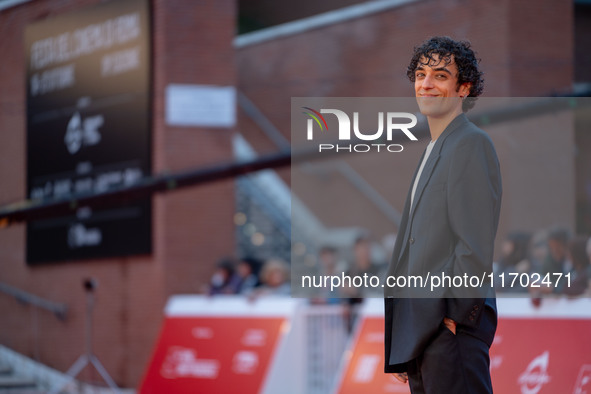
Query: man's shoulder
[(471, 135)]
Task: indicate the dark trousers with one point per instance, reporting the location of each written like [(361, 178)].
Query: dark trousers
[(451, 364)]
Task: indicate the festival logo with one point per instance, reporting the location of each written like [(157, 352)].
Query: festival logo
[(245, 362), (83, 132), (535, 376), (583, 385), (254, 337), (182, 362)]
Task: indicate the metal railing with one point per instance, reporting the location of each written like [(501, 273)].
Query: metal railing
[(28, 299), (58, 309), (325, 340)]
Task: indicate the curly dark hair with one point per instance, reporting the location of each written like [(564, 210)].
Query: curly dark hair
[(464, 57)]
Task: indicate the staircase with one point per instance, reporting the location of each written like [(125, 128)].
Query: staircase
[(12, 384)]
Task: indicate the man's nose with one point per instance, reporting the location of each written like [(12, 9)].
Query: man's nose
[(427, 82)]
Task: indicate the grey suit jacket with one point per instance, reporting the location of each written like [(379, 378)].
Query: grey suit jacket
[(450, 229)]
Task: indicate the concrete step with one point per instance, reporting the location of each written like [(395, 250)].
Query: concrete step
[(9, 382)]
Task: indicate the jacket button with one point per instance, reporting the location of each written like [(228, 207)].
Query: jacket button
[(471, 318), (411, 240), (475, 307)]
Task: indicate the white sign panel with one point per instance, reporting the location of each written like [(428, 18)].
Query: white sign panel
[(200, 105)]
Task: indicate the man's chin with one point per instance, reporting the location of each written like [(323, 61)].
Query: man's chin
[(431, 108), (434, 106)]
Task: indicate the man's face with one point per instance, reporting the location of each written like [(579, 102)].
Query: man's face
[(362, 252), (328, 259), (557, 249), (436, 87), (244, 269)]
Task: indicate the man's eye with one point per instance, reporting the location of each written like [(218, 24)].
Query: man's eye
[(419, 75), (441, 76)]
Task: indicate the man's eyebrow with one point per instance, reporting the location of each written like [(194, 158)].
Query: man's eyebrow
[(442, 69), (420, 68)]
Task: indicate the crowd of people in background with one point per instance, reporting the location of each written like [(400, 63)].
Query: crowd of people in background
[(546, 262), (529, 264), (250, 277)]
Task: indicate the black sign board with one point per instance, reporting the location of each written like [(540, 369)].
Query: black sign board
[(88, 127)]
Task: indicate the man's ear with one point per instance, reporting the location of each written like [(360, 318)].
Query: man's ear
[(464, 89)]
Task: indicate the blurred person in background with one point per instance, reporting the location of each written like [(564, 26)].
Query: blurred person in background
[(361, 266), (579, 281), (555, 262), (248, 274), (514, 260), (224, 280), (274, 279), (328, 265), (556, 259), (538, 249)]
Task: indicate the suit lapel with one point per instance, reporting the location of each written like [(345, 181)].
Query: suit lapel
[(423, 181), (433, 158)]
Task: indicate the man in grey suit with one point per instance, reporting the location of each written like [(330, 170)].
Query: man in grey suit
[(438, 340)]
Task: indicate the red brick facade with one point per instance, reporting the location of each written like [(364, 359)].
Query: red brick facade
[(368, 56), (192, 43)]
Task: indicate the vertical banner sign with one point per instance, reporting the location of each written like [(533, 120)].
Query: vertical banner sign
[(88, 128)]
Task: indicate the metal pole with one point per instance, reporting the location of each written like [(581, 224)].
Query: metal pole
[(87, 357)]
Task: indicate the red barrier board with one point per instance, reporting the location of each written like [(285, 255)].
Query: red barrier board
[(365, 369), (542, 356), (543, 350), (213, 355)]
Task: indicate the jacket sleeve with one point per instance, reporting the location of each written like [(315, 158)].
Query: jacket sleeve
[(474, 196)]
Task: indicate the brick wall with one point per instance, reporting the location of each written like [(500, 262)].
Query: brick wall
[(368, 56), (192, 43), (541, 47), (526, 50)]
